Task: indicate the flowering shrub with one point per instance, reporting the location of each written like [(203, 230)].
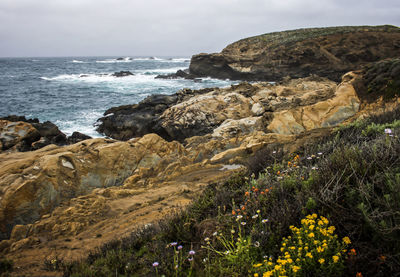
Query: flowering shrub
[(312, 249)]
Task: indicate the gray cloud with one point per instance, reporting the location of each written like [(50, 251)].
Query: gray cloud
[(174, 27)]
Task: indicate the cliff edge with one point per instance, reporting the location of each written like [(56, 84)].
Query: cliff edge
[(327, 52)]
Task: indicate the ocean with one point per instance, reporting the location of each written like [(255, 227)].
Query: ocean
[(73, 92)]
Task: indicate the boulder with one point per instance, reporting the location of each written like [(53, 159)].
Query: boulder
[(23, 134), (17, 135), (77, 137), (328, 52), (51, 132)]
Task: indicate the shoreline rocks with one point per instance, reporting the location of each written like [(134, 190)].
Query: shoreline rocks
[(20, 134)]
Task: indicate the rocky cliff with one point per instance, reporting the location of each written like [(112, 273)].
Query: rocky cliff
[(328, 52)]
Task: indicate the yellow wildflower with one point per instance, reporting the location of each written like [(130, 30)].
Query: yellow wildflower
[(277, 267), (311, 235), (295, 268), (321, 261), (257, 265), (312, 227), (320, 249), (255, 275), (267, 274), (309, 255), (346, 240), (335, 258), (314, 215)]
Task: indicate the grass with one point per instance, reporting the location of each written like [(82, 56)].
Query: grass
[(351, 179)]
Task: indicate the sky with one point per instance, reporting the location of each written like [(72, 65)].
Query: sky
[(35, 28)]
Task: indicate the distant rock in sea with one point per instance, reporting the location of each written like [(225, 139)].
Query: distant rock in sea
[(179, 74), (122, 74)]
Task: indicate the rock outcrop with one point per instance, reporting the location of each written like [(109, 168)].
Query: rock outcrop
[(20, 134), (129, 121), (328, 52), (232, 109)]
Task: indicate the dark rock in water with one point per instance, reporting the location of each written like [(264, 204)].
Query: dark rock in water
[(77, 137), (122, 74), (51, 132), (327, 52), (129, 121), (152, 58), (179, 74), (119, 59)]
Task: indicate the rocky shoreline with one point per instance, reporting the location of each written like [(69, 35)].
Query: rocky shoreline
[(68, 195)]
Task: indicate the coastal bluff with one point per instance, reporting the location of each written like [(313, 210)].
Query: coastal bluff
[(327, 52)]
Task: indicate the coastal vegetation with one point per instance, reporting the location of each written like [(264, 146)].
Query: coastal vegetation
[(277, 39), (330, 209)]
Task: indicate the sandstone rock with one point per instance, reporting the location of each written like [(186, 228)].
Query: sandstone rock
[(331, 112), (20, 232), (17, 134), (231, 127), (257, 109), (4, 245), (29, 134), (24, 243), (198, 116), (328, 52), (34, 183)]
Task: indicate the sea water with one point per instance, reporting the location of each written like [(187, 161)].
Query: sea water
[(73, 92)]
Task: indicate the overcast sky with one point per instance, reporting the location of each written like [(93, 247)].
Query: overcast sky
[(167, 27)]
